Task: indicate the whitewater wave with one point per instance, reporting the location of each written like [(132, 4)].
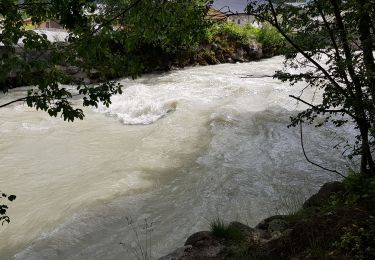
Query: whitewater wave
[(138, 106)]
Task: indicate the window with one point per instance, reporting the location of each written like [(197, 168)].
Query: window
[(239, 21)]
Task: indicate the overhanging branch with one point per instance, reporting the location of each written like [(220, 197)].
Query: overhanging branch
[(322, 109), (313, 163), (14, 101)]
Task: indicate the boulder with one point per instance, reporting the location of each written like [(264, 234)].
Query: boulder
[(179, 253), (201, 245), (275, 222), (238, 55), (241, 227), (323, 195), (254, 51), (71, 70), (201, 239)]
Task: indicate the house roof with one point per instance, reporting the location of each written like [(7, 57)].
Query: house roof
[(216, 15)]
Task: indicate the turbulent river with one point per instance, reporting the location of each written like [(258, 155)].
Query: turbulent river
[(177, 150)]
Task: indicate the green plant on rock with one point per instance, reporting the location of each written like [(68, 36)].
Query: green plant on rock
[(358, 241), (231, 31), (229, 232)]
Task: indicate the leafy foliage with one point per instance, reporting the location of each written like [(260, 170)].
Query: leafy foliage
[(242, 34), (3, 208), (270, 38), (334, 40), (358, 240), (359, 187), (106, 38)]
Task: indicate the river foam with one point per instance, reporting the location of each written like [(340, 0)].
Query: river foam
[(138, 106)]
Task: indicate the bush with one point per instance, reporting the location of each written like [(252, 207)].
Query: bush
[(270, 38), (244, 35), (358, 241), (359, 187)]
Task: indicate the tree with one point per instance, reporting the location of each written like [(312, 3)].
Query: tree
[(334, 41), (106, 37)]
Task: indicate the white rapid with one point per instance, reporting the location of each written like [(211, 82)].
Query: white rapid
[(177, 149)]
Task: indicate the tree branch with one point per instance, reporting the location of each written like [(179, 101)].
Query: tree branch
[(14, 101), (323, 110), (275, 23), (135, 3), (313, 163), (336, 47)]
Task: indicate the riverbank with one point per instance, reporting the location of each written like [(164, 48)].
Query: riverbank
[(221, 43), (335, 223)]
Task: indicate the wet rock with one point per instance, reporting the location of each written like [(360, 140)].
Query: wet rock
[(323, 195), (254, 51), (277, 225), (238, 55), (201, 245), (179, 253), (214, 46), (241, 227), (200, 239), (265, 223), (71, 70)]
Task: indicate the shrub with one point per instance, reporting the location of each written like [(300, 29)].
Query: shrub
[(358, 241), (270, 38), (232, 31), (359, 187)]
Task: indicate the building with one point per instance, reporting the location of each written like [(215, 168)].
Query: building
[(242, 19), (234, 11), (216, 15), (49, 24)]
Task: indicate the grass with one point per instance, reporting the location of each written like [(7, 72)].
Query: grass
[(141, 246), (220, 229)]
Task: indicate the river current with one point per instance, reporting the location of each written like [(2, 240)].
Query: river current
[(177, 150)]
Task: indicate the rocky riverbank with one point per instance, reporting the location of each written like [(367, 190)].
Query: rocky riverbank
[(207, 54), (156, 60), (320, 230)]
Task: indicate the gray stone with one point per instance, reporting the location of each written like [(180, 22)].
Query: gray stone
[(264, 224), (277, 225), (200, 239), (238, 55), (323, 195), (254, 51), (241, 227), (178, 254), (71, 70)]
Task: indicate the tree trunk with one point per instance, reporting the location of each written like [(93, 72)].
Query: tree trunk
[(364, 25), (367, 162)]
